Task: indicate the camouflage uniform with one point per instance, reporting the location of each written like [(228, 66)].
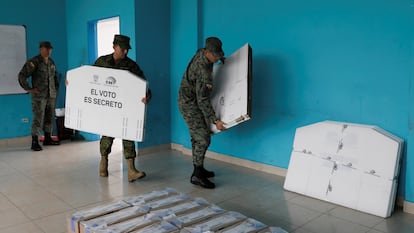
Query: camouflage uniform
[(44, 78), (125, 64), (195, 106)]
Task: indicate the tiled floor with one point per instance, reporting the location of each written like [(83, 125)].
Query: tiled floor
[(39, 189)]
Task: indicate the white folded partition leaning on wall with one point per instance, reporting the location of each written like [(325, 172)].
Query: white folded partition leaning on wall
[(352, 165)]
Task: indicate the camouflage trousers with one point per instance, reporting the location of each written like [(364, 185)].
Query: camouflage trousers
[(43, 115), (199, 131), (106, 146)]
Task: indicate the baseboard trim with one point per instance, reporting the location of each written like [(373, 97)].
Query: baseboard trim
[(15, 142), (236, 161), (154, 149), (408, 207)]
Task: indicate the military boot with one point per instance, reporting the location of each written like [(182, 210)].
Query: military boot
[(134, 174), (199, 178), (48, 141), (103, 166), (207, 173), (35, 144)]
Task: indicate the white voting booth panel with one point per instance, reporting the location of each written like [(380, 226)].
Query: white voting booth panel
[(231, 96), (352, 165), (105, 101)]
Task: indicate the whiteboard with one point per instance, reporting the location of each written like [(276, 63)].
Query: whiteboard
[(13, 57), (106, 101), (231, 96)]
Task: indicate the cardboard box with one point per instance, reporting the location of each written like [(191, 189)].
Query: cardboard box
[(74, 219), (130, 225), (152, 196), (197, 216), (247, 226), (216, 223), (87, 226), (182, 208), (160, 227)]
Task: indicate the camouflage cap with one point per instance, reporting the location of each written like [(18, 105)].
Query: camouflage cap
[(45, 44), (213, 44), (122, 41)]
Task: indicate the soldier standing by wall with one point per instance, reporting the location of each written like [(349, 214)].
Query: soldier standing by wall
[(119, 60), (43, 89), (195, 106)]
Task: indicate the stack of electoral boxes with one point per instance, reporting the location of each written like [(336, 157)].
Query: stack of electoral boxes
[(163, 211)]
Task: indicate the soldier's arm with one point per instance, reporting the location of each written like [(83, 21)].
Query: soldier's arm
[(204, 86), (135, 69), (26, 71)]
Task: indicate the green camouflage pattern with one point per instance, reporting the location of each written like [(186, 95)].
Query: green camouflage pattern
[(195, 106), (106, 144), (43, 115), (44, 78), (108, 61)]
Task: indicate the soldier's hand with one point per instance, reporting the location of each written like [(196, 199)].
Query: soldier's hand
[(33, 90), (146, 99), (220, 125)]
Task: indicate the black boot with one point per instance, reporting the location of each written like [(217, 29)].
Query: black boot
[(199, 178), (48, 141), (35, 144), (207, 173)]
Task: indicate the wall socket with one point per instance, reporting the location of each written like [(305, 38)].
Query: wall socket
[(25, 120)]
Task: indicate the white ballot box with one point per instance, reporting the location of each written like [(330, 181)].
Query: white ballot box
[(105, 101), (231, 96)]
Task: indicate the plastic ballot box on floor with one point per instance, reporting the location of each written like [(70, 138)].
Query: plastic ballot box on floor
[(105, 101)]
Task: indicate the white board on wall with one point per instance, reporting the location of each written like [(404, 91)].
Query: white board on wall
[(106, 101), (13, 56), (232, 92)]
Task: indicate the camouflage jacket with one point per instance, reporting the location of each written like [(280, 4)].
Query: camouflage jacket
[(44, 77), (196, 87), (127, 63)]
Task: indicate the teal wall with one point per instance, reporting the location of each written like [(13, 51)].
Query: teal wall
[(80, 13), (153, 55), (148, 28), (317, 60), (45, 21)]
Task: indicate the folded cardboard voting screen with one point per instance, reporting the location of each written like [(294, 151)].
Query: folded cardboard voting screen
[(352, 165), (231, 97), (105, 101)]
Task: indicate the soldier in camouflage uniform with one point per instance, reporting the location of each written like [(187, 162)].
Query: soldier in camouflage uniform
[(119, 60), (43, 88), (196, 109)]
